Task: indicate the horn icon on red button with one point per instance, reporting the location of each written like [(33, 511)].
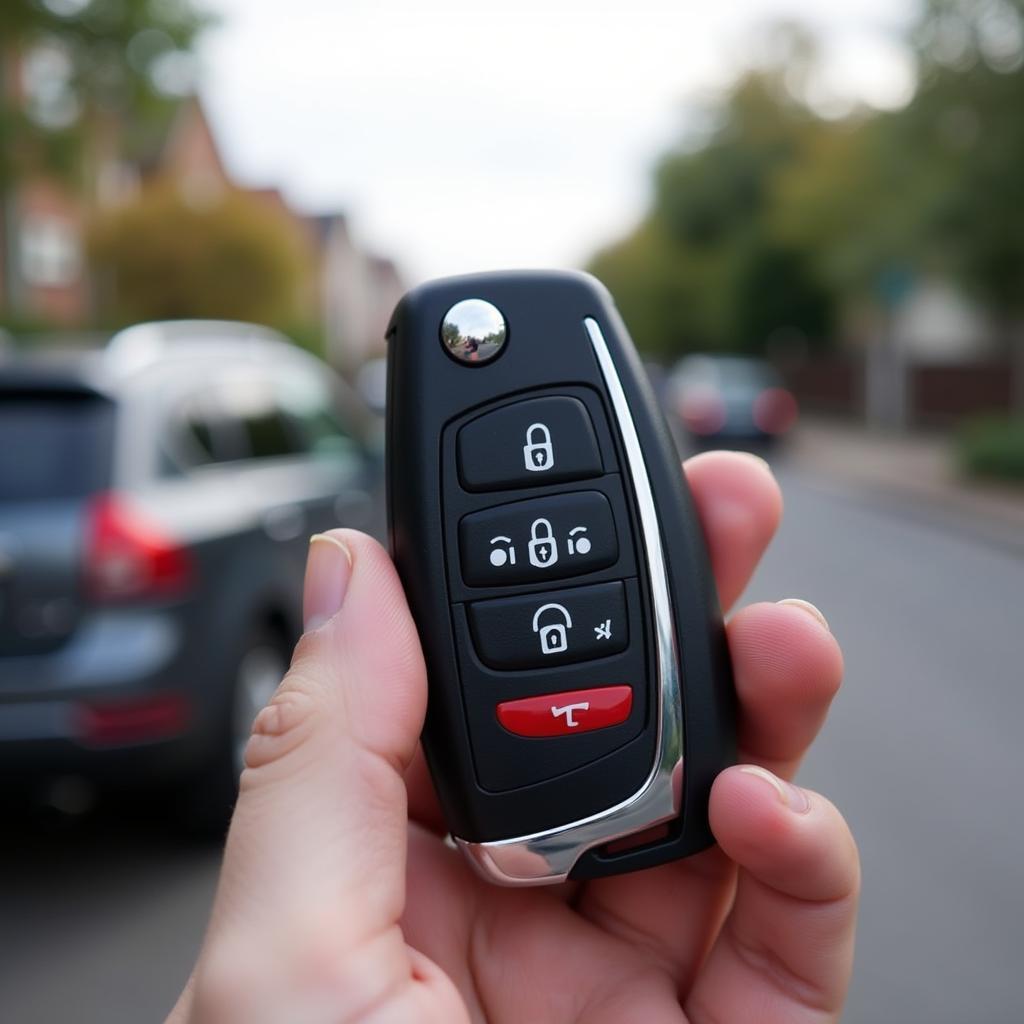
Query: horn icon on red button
[(562, 714)]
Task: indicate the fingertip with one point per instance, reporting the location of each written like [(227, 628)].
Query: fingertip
[(328, 570), (790, 838), (808, 609), (788, 669), (375, 612), (741, 476), (749, 807), (360, 659), (375, 651), (740, 506), (780, 650), (786, 950)]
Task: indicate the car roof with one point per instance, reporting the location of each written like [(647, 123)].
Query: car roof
[(146, 343), (135, 352), (715, 364), (54, 371)]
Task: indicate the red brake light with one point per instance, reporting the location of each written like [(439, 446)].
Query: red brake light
[(775, 411), (132, 721), (130, 557)]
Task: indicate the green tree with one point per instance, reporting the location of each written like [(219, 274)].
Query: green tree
[(658, 288), (967, 116), (161, 257), (936, 186), (707, 269), (777, 218), (87, 64)]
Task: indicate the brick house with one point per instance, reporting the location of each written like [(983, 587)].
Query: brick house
[(42, 272), (44, 275)]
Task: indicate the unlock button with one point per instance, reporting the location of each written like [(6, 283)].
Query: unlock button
[(544, 538), (555, 627)]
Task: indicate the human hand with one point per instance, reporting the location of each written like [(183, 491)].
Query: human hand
[(339, 900)]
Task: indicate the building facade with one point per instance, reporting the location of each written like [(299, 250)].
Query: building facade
[(45, 278)]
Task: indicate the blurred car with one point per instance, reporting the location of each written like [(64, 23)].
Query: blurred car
[(156, 500), (723, 399)]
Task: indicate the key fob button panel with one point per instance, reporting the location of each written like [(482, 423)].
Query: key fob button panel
[(567, 689), (519, 542), (528, 444), (544, 538), (505, 760), (549, 628)]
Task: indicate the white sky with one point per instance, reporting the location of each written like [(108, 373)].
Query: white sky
[(470, 135)]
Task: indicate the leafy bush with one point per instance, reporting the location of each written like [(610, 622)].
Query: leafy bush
[(236, 257), (992, 446)]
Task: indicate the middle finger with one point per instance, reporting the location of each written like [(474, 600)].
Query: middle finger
[(787, 667)]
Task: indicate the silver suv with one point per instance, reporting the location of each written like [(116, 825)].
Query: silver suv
[(156, 499)]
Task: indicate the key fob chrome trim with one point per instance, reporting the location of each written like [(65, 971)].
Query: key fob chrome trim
[(548, 857)]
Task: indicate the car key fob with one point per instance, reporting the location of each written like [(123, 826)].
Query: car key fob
[(581, 699)]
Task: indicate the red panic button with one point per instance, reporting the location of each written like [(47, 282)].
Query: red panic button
[(561, 714)]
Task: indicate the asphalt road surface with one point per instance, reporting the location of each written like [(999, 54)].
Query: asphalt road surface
[(100, 919)]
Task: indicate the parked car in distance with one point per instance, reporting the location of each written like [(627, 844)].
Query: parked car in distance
[(156, 500), (719, 399)]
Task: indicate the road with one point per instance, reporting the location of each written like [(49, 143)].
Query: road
[(100, 920)]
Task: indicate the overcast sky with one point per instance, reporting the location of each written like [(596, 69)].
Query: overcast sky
[(468, 135)]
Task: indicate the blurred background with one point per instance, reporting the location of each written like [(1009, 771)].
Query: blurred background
[(812, 218)]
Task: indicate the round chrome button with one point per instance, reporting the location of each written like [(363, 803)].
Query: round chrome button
[(473, 331)]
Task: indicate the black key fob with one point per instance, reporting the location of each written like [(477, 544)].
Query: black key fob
[(581, 699)]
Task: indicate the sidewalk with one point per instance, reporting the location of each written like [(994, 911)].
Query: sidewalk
[(914, 466)]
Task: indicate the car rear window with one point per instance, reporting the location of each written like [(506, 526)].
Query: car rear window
[(54, 446)]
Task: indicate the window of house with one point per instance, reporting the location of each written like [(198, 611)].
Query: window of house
[(47, 79), (51, 254)]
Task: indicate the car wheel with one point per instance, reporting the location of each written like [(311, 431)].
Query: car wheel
[(259, 669)]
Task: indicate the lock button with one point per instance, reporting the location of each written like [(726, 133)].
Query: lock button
[(528, 444), (540, 539), (551, 628), (538, 453)]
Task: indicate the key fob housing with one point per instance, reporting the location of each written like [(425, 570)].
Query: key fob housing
[(581, 699)]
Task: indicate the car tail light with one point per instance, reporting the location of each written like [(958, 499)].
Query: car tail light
[(114, 723), (128, 556), (702, 411), (775, 411)]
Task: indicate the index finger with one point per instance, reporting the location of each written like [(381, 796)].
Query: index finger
[(739, 505)]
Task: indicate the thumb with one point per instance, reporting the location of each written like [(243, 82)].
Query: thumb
[(317, 845)]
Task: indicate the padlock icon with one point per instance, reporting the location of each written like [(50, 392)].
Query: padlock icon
[(553, 635), (543, 547), (538, 454)]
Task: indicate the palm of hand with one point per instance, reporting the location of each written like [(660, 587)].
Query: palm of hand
[(698, 940), (577, 952), (335, 904)]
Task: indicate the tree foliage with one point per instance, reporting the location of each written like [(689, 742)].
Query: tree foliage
[(968, 118), (84, 63), (707, 268), (777, 219), (162, 257)]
